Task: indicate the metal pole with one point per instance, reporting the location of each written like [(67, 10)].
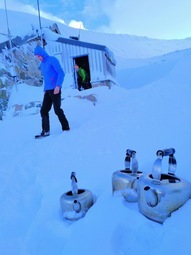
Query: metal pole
[(40, 23), (8, 31), (11, 48), (79, 32)]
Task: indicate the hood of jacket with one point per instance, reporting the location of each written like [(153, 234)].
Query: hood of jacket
[(40, 52)]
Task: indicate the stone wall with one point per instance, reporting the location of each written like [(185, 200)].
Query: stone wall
[(18, 66)]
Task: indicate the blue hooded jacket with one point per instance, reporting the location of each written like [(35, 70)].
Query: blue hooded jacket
[(51, 69)]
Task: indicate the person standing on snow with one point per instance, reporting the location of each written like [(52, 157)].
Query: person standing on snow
[(53, 75), (83, 78)]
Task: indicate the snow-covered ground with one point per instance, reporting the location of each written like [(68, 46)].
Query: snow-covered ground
[(149, 111)]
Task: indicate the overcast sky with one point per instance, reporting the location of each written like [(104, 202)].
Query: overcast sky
[(162, 19)]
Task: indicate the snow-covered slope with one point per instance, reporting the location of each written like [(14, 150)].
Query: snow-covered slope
[(138, 73), (123, 46)]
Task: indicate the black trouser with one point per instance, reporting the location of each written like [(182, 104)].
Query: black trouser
[(52, 99), (84, 85)]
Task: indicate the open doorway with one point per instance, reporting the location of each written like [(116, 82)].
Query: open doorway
[(83, 63)]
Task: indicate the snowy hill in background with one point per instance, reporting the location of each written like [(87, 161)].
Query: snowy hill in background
[(153, 69), (134, 54), (128, 46), (154, 114)]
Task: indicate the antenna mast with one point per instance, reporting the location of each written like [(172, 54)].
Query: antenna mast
[(8, 31), (79, 31), (39, 18)]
